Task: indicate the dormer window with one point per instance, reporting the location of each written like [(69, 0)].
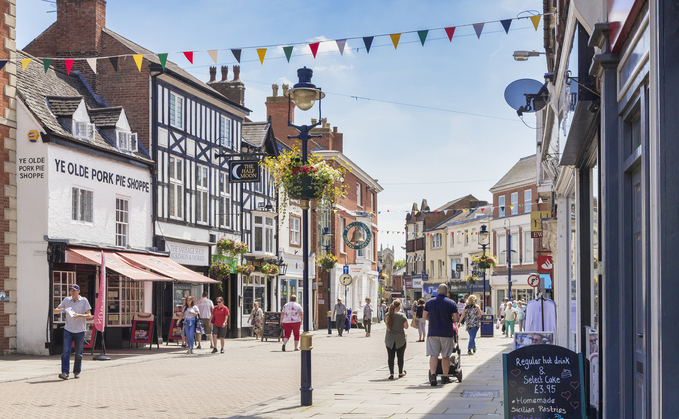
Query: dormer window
[(83, 130), (126, 141)]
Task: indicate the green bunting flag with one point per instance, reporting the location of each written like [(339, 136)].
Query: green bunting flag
[(422, 35), (46, 62), (288, 52), (163, 59)]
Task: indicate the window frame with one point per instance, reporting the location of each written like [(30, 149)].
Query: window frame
[(82, 214), (528, 201), (501, 207), (173, 107), (129, 144), (224, 216), (225, 131), (127, 305), (359, 198), (266, 230), (295, 232), (202, 194), (88, 127), (501, 247), (176, 188), (528, 257), (514, 203), (122, 221)]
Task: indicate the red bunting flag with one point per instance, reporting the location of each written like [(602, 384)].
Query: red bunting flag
[(450, 31), (314, 48), (189, 56), (69, 65)]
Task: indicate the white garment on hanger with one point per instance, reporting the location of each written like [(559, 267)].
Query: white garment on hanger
[(534, 316)]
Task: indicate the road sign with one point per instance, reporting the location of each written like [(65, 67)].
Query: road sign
[(534, 281), (345, 279), (345, 269), (425, 277), (536, 234)]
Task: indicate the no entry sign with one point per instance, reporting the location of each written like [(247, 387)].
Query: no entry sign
[(534, 280)]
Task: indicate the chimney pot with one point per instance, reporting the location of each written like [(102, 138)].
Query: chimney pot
[(225, 72), (334, 130), (313, 121), (274, 87), (285, 89), (213, 73), (236, 72)]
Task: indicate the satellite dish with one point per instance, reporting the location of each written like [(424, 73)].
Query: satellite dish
[(526, 95)]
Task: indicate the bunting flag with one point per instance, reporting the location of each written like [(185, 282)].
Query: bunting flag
[(288, 52), (69, 65), (261, 52), (314, 48), (24, 63), (93, 64), (189, 56), (138, 59), (114, 63), (395, 37), (450, 32), (236, 54), (213, 54), (3, 63), (46, 63), (506, 24), (368, 41), (422, 35), (340, 45), (478, 28), (536, 21)]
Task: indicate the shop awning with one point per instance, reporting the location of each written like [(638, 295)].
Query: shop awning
[(113, 262), (165, 266)]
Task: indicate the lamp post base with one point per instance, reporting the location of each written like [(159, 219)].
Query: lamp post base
[(306, 391)]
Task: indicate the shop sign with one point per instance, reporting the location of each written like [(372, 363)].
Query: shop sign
[(95, 174), (417, 283), (409, 283), (4, 298), (545, 264), (244, 171), (188, 254), (536, 220), (142, 328)]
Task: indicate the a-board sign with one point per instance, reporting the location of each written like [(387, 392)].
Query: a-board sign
[(272, 325), (175, 332), (90, 336), (543, 382), (142, 328)]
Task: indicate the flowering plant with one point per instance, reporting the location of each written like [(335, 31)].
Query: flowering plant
[(471, 279), (220, 270), (326, 261), (383, 276), (269, 269), (484, 261), (231, 247), (245, 269)]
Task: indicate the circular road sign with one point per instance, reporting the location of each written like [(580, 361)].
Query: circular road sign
[(345, 279), (534, 280)]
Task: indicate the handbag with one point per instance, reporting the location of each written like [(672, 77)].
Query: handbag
[(414, 323), (200, 329)]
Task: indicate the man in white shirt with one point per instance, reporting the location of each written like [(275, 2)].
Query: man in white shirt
[(205, 306), (76, 310)]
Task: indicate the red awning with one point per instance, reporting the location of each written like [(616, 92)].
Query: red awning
[(165, 266), (113, 262)]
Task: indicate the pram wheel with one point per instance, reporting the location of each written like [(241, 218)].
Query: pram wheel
[(459, 376)]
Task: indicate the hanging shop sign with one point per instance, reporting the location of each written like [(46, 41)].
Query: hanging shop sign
[(244, 171), (417, 282), (545, 264), (142, 328), (361, 227), (4, 298)]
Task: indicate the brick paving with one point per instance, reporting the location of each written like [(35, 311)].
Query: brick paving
[(253, 379)]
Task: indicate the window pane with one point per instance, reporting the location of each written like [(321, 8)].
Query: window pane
[(179, 169), (74, 206), (172, 201), (180, 199), (258, 239), (172, 111)]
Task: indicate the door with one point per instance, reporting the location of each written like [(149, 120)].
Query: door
[(640, 295)]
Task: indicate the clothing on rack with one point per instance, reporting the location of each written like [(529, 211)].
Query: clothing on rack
[(534, 315)]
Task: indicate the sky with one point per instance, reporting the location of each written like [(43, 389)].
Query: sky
[(427, 121)]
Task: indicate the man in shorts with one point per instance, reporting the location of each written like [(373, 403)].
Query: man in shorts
[(441, 312), (219, 320), (205, 307)]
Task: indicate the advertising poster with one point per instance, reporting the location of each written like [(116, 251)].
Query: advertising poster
[(175, 332), (180, 291), (142, 328), (522, 339)]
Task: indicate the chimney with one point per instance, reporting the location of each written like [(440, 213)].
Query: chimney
[(78, 27), (213, 74), (236, 73), (277, 113), (225, 72), (233, 90)]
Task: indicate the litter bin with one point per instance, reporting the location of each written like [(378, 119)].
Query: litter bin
[(487, 326)]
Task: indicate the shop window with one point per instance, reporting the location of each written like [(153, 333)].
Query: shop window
[(176, 111), (122, 222), (515, 203), (224, 132), (176, 195), (263, 234), (126, 141), (501, 205), (527, 249), (124, 298), (202, 194), (284, 291), (295, 234), (82, 201), (254, 289), (61, 284), (527, 201)]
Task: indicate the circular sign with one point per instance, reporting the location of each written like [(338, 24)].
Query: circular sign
[(534, 280), (362, 227), (345, 279)]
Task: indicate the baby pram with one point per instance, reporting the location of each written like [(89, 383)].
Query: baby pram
[(455, 369)]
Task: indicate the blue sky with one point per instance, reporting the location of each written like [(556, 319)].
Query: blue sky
[(415, 134)]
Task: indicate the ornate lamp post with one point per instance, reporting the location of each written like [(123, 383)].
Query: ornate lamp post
[(305, 94), (484, 241)]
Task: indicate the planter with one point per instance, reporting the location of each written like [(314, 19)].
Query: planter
[(328, 266), (484, 265), (302, 188)]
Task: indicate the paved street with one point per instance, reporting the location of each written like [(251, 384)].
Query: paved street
[(253, 379)]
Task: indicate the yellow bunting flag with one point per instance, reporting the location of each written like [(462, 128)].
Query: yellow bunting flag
[(24, 63), (536, 21), (138, 59), (261, 52), (395, 38)]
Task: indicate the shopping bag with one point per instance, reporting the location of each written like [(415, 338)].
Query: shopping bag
[(414, 323), (200, 329), (497, 324)]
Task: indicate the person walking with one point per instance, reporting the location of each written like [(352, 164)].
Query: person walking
[(205, 306), (472, 315), (76, 310), (367, 316), (189, 315), (293, 314), (340, 315), (256, 319), (501, 316), (441, 312), (521, 316), (395, 338), (421, 322), (384, 309), (510, 319), (219, 318)]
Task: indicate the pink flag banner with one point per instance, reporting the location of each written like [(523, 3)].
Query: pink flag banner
[(101, 298)]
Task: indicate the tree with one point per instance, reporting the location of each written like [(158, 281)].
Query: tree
[(399, 264)]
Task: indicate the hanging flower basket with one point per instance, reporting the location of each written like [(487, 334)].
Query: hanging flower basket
[(484, 261), (231, 247), (220, 270), (302, 188), (470, 279), (326, 261), (269, 269), (245, 270), (383, 277)]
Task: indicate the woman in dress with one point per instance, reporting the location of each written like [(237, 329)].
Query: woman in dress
[(395, 338), (256, 318), (421, 322), (189, 315), (292, 319), (472, 315)]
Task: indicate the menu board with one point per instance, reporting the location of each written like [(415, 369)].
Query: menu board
[(543, 382), (272, 325), (175, 332), (142, 328)]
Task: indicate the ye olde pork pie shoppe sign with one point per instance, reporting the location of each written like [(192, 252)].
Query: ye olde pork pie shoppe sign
[(543, 382)]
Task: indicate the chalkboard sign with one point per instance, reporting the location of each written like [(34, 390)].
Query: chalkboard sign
[(272, 325), (142, 328), (175, 332), (543, 382)]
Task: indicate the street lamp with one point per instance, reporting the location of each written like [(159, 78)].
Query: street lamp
[(328, 235), (484, 240), (305, 94), (508, 226), (525, 55)]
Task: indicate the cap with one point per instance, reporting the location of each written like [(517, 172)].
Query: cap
[(75, 287)]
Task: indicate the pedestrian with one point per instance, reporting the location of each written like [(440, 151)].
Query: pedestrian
[(521, 316), (340, 315), (367, 316), (460, 306), (76, 311), (421, 322), (472, 315), (179, 320), (292, 319), (395, 338), (256, 318), (510, 318), (189, 315), (501, 315), (441, 312), (205, 306), (219, 318), (350, 319), (384, 308)]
